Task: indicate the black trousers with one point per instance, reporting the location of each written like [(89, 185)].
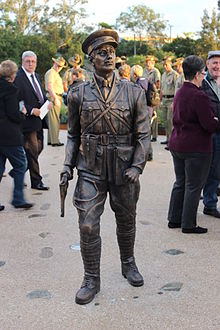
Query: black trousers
[(191, 170), (33, 145), (89, 199)]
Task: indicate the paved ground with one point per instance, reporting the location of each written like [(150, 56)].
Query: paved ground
[(41, 268)]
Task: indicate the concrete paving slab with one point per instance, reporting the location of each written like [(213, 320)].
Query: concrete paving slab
[(41, 267)]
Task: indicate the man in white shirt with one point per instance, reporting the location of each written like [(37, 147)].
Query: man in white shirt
[(32, 94)]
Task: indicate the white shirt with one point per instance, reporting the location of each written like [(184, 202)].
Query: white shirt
[(28, 74)]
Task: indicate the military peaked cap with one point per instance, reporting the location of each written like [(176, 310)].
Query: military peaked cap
[(99, 38)]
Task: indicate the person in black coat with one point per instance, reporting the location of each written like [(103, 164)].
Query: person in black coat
[(210, 86), (32, 94), (11, 138)]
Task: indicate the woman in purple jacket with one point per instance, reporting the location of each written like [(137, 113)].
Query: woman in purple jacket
[(191, 147)]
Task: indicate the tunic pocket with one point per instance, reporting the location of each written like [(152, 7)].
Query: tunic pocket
[(123, 160), (91, 153)]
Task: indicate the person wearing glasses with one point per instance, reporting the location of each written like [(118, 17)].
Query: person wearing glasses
[(190, 144), (31, 93)]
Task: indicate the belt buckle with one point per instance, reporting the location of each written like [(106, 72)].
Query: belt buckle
[(104, 139)]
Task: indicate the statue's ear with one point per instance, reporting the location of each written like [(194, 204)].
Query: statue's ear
[(91, 58)]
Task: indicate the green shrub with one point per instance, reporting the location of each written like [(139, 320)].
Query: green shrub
[(63, 114)]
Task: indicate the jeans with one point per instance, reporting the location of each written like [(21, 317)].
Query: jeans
[(210, 198), (17, 158), (191, 171)]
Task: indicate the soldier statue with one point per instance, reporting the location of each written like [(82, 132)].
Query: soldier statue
[(108, 141)]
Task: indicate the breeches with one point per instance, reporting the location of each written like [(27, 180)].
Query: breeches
[(89, 199)]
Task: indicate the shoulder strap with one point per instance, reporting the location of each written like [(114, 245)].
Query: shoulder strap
[(81, 93)]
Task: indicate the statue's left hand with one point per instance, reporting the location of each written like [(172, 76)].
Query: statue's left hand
[(131, 174)]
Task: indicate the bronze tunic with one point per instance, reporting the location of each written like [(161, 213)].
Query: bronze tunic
[(105, 137)]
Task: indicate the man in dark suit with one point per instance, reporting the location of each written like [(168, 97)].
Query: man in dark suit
[(210, 85), (32, 94)]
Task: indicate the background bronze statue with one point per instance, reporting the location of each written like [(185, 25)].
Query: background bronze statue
[(108, 141)]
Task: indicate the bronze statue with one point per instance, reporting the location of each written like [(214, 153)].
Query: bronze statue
[(108, 141)]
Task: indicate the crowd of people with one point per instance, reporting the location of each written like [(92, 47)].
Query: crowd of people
[(112, 120), (192, 129), (159, 90)]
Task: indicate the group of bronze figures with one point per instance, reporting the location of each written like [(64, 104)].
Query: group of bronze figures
[(108, 141)]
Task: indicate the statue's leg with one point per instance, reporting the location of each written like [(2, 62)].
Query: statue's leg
[(123, 200), (89, 199)]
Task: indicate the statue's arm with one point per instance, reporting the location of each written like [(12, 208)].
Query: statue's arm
[(142, 131), (73, 134)]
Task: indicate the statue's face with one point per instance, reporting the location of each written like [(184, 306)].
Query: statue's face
[(104, 60)]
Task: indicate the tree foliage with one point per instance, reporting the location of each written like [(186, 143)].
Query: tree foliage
[(182, 47), (141, 20), (48, 31), (64, 18), (21, 16), (210, 33), (52, 30), (126, 47)]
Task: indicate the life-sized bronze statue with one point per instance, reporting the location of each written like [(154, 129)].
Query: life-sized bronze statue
[(108, 140)]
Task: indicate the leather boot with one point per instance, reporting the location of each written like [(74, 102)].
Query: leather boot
[(90, 286), (91, 253), (131, 273)]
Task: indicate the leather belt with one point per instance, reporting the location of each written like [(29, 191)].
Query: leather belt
[(168, 96), (105, 139)]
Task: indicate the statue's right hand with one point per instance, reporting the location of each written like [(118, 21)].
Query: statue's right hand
[(63, 178), (66, 174)]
